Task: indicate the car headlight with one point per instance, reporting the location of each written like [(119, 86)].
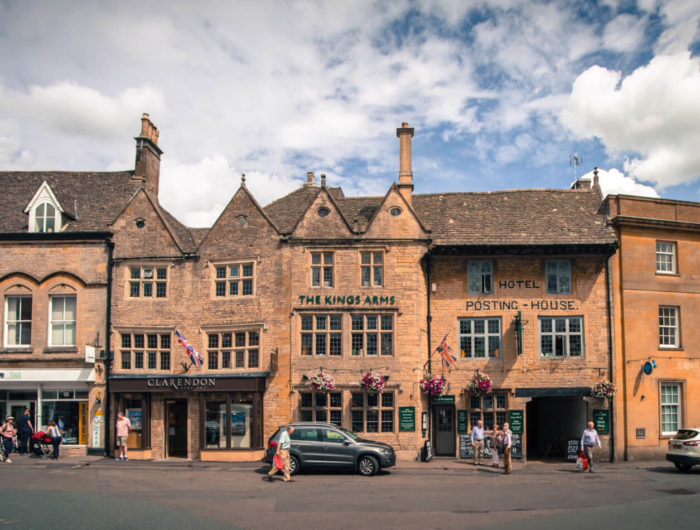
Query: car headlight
[(386, 450)]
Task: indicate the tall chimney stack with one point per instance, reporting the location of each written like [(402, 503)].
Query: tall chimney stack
[(405, 134), (147, 165)]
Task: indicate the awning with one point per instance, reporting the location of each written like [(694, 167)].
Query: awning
[(47, 375), (578, 391)]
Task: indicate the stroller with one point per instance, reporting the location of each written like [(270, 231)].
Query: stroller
[(40, 445)]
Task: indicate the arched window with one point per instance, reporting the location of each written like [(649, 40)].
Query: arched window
[(45, 218)]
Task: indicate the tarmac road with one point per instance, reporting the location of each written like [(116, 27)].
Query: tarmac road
[(91, 492)]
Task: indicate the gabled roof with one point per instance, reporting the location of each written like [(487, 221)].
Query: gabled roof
[(286, 212)]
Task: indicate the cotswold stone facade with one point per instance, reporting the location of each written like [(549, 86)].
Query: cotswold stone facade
[(320, 284)]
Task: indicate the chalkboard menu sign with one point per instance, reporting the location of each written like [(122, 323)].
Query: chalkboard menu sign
[(407, 418), (466, 449), (427, 453), (601, 419), (516, 450), (516, 419), (462, 421), (572, 450)]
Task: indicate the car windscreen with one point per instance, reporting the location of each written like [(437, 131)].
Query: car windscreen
[(351, 434), (686, 434)]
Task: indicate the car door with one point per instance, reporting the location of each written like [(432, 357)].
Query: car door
[(307, 443), (338, 448)]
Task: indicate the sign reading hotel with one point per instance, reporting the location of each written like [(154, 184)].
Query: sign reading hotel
[(352, 299)]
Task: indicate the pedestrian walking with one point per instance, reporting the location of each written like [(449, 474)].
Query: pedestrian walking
[(496, 445), (8, 431), (478, 442), (283, 445), (123, 429), (507, 446), (589, 440), (56, 438), (26, 429)]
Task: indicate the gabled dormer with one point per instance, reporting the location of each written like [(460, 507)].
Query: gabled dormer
[(45, 212)]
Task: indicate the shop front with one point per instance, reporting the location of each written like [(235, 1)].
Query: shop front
[(206, 417)]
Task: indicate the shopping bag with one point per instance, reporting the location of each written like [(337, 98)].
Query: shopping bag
[(582, 461), (278, 462)]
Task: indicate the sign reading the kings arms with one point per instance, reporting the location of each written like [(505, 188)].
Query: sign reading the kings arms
[(352, 299)]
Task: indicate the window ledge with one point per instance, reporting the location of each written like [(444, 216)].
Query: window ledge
[(17, 350), (660, 273), (61, 349)]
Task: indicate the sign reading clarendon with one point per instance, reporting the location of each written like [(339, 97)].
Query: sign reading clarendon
[(180, 383), (352, 299)]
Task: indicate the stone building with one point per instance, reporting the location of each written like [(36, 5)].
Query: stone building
[(656, 289)]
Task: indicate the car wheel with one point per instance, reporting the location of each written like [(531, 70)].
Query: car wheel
[(683, 467), (293, 465), (367, 466)]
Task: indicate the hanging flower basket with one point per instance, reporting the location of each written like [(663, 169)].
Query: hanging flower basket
[(372, 382), (604, 390), (433, 385), (321, 382), (479, 384)]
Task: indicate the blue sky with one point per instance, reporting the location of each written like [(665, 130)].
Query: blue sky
[(501, 93)]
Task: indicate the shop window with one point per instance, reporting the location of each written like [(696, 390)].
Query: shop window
[(558, 273), (665, 257), (670, 408), (138, 349), (148, 282), (490, 408), (480, 338), (63, 319), (322, 269), (669, 331), (18, 321), (235, 279), (325, 407), (561, 336), (480, 277), (245, 346), (136, 408), (372, 334), (372, 412), (322, 334), (68, 408), (232, 420), (372, 269)]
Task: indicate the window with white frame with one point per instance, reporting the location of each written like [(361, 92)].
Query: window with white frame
[(669, 335), (372, 267), (558, 273), (372, 334), (322, 269), (18, 321), (63, 320), (479, 277), (665, 257), (45, 218), (670, 408), (372, 412), (480, 337), (144, 350), (322, 334), (325, 407), (235, 279), (148, 282), (561, 336)]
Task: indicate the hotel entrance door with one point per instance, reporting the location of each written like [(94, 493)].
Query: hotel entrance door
[(176, 417)]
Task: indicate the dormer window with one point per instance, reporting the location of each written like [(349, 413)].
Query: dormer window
[(45, 218)]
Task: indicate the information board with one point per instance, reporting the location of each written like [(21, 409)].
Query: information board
[(407, 418), (516, 450), (572, 450), (462, 421), (466, 449), (427, 453), (516, 418), (601, 419)]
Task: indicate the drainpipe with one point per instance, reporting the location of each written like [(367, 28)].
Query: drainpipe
[(429, 321), (108, 342), (611, 336)]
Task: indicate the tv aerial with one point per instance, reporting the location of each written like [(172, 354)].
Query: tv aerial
[(575, 160)]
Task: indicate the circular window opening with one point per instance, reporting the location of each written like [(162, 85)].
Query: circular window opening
[(323, 211), (395, 210), (140, 223), (242, 221)]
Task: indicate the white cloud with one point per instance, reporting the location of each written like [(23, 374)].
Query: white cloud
[(652, 112), (624, 33), (614, 182)]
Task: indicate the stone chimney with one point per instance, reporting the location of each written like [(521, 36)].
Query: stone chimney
[(310, 180), (405, 134), (147, 165)]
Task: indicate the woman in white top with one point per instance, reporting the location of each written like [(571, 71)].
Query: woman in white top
[(56, 438)]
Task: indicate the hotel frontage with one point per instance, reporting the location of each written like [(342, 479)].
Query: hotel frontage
[(294, 306)]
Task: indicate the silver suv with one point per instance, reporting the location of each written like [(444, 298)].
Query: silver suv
[(684, 449), (325, 445)]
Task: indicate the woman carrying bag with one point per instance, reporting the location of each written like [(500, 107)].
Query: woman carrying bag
[(56, 438)]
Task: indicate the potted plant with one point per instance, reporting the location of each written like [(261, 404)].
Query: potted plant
[(321, 382), (373, 382), (480, 384), (432, 385), (604, 390)]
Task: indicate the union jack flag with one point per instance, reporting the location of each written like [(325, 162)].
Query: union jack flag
[(448, 355), (195, 356)]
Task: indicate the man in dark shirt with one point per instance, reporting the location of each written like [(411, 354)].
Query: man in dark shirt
[(25, 428)]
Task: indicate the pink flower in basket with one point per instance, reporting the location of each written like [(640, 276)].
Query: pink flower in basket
[(321, 382), (432, 385), (480, 384), (372, 382)]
